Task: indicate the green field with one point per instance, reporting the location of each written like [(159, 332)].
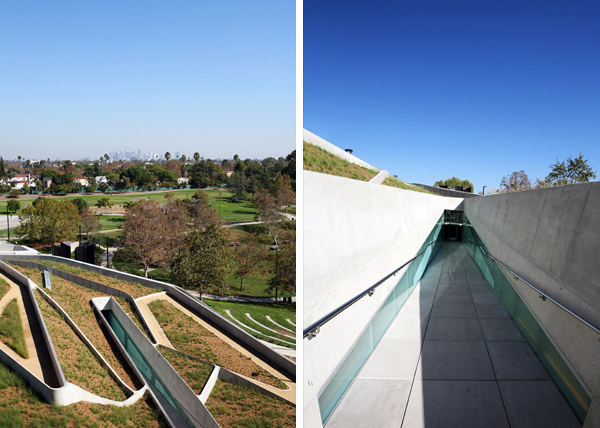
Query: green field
[(278, 312), (230, 211)]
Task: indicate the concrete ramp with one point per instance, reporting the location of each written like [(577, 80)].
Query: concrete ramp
[(453, 357)]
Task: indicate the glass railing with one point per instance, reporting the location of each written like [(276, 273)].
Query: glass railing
[(558, 369), (366, 344), (142, 364)]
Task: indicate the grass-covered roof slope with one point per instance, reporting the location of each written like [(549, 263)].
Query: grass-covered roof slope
[(318, 160)]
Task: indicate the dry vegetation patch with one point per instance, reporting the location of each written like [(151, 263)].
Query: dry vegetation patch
[(134, 289), (237, 406), (75, 300), (188, 336), (195, 373), (77, 361), (318, 160), (11, 329), (20, 407)]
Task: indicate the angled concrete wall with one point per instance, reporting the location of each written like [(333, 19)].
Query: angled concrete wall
[(275, 359), (551, 238), (355, 234)]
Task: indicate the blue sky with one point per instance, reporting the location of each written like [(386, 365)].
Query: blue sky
[(473, 89), (81, 78)]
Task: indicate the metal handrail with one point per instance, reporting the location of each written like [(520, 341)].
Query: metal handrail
[(542, 295), (312, 330)]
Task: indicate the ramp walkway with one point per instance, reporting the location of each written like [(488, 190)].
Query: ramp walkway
[(453, 357)]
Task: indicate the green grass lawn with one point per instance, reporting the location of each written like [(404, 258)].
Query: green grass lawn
[(11, 329), (319, 160), (278, 313), (394, 182), (230, 211)]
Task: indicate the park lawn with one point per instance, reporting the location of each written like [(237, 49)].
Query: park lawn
[(124, 262), (278, 313), (319, 160), (11, 329), (238, 406), (20, 407), (230, 211)]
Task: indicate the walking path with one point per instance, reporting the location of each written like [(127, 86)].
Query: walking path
[(242, 299), (32, 363), (143, 303), (453, 357)]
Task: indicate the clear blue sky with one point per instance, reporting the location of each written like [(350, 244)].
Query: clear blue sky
[(81, 78), (473, 89)]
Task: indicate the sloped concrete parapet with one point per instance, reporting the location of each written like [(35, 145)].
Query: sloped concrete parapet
[(451, 193), (378, 179)]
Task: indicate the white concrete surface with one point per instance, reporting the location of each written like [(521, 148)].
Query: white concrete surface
[(355, 234), (551, 237), (13, 222)]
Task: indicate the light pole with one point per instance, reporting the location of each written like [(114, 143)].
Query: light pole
[(483, 190), (8, 222)]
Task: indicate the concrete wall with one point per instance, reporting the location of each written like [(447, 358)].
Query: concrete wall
[(277, 360), (551, 238), (355, 233), (181, 392), (315, 140)]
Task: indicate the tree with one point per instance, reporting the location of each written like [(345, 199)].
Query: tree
[(202, 213), (88, 221), (13, 206), (50, 220), (238, 186), (167, 156), (106, 157), (515, 182), (451, 183), (174, 224), (269, 212), (570, 171), (196, 157), (182, 159), (284, 194), (206, 262), (104, 202), (2, 169), (284, 270), (143, 232), (249, 259), (80, 203)]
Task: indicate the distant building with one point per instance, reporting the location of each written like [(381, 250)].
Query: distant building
[(183, 180), (81, 180), (101, 179), (20, 180), (229, 173), (47, 182)]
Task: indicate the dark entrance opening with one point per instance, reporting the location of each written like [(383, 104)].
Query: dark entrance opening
[(453, 224)]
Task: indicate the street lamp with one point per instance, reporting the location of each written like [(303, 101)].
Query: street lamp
[(8, 222)]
